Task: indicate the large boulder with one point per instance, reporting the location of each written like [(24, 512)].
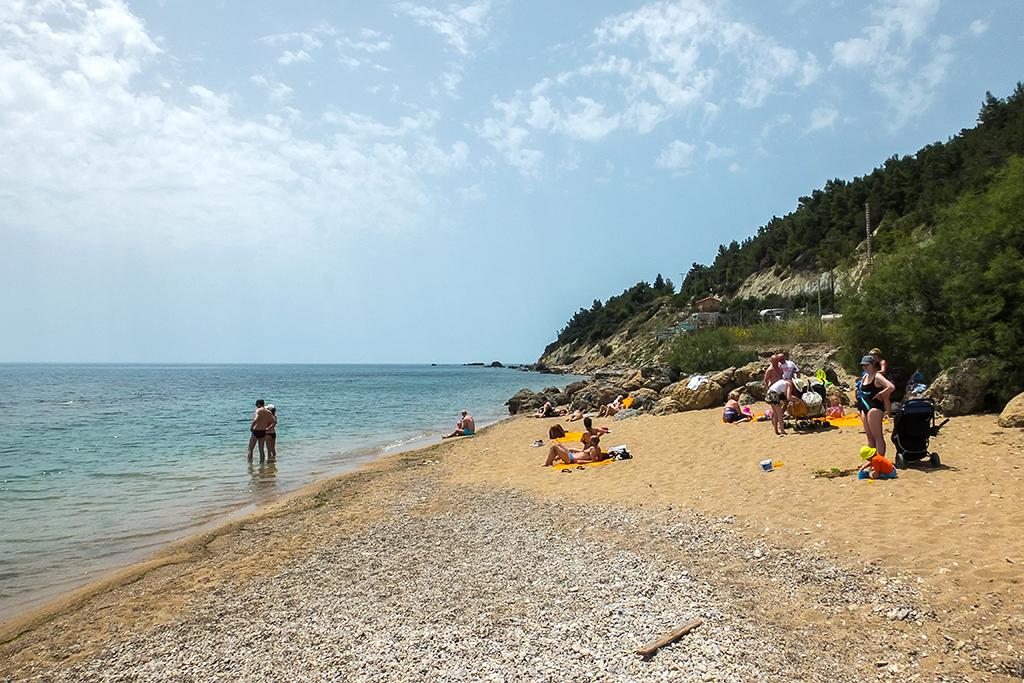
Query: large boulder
[(594, 395), (573, 387), (523, 400), (644, 399), (670, 389), (657, 377), (959, 390), (705, 395), (633, 382), (749, 373), (751, 392), (665, 406), (725, 379), (1013, 413)]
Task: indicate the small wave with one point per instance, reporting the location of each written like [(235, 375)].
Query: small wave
[(404, 442)]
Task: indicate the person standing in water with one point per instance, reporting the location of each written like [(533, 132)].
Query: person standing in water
[(262, 420), (465, 427), (272, 436)]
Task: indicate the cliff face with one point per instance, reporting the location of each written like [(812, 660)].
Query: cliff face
[(789, 283), (633, 345)]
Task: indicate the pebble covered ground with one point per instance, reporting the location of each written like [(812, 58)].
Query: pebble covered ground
[(473, 584)]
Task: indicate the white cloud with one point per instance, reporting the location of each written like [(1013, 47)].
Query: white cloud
[(979, 26), (279, 92), (299, 46), (667, 59), (587, 121), (716, 152), (823, 117), (165, 166), (510, 140), (892, 49), (294, 57), (459, 26), (676, 156)]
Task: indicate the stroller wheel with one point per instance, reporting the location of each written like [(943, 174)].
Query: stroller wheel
[(900, 462), (934, 461)]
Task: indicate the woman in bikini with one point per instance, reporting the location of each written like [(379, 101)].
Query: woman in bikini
[(570, 456), (873, 401)]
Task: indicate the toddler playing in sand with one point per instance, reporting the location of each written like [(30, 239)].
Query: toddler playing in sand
[(835, 410), (875, 466)]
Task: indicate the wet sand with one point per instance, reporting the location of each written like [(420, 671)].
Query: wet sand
[(918, 578)]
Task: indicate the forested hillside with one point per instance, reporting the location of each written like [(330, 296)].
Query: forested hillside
[(906, 195)]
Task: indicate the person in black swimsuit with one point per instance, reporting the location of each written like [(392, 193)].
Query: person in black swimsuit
[(873, 401), (262, 420)]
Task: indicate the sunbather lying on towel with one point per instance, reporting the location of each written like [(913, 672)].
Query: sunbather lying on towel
[(570, 456)]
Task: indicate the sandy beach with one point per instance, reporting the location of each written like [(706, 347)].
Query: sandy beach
[(468, 561)]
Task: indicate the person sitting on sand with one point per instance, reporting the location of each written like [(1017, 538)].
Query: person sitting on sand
[(612, 408), (732, 411), (875, 465), (262, 420), (548, 410), (590, 430), (835, 411), (570, 456), (464, 427)]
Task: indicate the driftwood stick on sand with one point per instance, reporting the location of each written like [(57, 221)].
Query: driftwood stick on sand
[(647, 650)]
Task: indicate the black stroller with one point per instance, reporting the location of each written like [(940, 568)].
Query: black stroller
[(913, 425)]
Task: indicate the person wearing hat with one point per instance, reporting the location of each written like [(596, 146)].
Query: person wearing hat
[(875, 466), (873, 401)]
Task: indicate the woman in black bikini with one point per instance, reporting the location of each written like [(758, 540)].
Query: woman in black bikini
[(873, 401)]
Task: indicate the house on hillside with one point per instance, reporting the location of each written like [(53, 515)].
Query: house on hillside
[(709, 304)]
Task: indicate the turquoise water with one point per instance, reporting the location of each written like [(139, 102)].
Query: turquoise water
[(100, 465)]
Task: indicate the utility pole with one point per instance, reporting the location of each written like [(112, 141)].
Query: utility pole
[(867, 231)]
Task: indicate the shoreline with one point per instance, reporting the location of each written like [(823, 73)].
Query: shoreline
[(121, 567), (193, 544), (811, 565)]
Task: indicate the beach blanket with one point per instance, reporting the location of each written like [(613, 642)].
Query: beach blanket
[(627, 402), (844, 421), (570, 437)]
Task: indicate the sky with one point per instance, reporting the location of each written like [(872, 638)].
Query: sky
[(341, 181)]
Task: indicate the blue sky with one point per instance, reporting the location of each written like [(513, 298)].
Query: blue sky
[(440, 182)]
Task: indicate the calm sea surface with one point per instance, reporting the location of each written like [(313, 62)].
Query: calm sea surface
[(101, 464)]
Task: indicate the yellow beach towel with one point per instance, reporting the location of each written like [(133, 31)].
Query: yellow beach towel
[(627, 402), (570, 437)]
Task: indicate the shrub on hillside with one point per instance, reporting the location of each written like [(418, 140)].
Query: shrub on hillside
[(706, 351), (959, 294)]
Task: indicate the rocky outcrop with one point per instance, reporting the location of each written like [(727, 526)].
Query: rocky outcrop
[(959, 390), (644, 399), (526, 400), (1013, 413), (665, 406), (704, 395)]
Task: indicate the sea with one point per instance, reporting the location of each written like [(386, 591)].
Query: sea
[(100, 465)]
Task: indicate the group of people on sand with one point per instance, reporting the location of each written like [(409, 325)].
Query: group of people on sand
[(873, 401), (589, 452), (606, 410), (263, 431)]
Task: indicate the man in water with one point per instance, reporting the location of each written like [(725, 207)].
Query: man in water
[(465, 427), (262, 420)]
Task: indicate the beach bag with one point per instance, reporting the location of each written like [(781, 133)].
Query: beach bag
[(556, 432), (619, 453)]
